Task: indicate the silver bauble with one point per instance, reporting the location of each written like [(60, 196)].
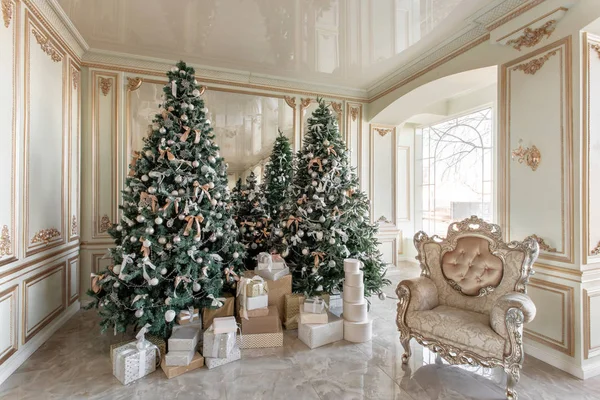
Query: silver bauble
[(168, 246), (236, 254), (149, 153), (145, 178), (163, 271), (382, 296), (158, 220), (321, 219), (133, 239), (176, 239), (181, 217), (178, 179), (119, 228), (149, 230), (196, 287), (140, 218), (162, 240), (139, 313), (305, 251), (174, 193), (195, 164), (162, 130), (169, 315), (151, 190)]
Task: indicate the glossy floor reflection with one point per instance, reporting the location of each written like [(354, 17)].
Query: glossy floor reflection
[(74, 364)]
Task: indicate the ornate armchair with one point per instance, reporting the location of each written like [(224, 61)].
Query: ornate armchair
[(470, 302)]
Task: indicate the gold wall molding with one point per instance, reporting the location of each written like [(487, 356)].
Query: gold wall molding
[(105, 84), (75, 77), (588, 349), (290, 101), (533, 66), (46, 45), (5, 243), (543, 245), (354, 112), (305, 103), (512, 15), (10, 295), (566, 344), (596, 48), (354, 126), (531, 37), (337, 107), (105, 223), (74, 150), (384, 220), (596, 250), (45, 236), (13, 273), (394, 157), (531, 156), (7, 12), (70, 261), (134, 84), (382, 131), (30, 332), (74, 225), (562, 48)]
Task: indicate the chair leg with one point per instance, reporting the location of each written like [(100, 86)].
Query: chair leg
[(407, 352), (512, 378)]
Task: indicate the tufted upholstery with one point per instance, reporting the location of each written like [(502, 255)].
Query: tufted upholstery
[(471, 265)]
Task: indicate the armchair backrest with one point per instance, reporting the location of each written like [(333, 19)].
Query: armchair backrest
[(472, 266)]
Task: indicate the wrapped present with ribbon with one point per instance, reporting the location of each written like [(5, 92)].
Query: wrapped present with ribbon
[(270, 323), (292, 308), (252, 295), (277, 291), (277, 261), (213, 362), (217, 345), (189, 316), (264, 261), (179, 358), (174, 371), (314, 305), (317, 335), (135, 360), (184, 339), (256, 286), (225, 325), (221, 307), (155, 340), (273, 274), (313, 318)]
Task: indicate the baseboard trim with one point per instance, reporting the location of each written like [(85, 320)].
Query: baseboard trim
[(558, 362), (591, 371), (25, 351)]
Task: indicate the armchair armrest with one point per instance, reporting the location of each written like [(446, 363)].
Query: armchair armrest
[(419, 293), (511, 300)]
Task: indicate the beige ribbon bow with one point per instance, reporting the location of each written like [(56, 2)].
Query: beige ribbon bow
[(331, 150), (318, 255), (293, 220), (149, 198), (314, 161), (186, 134), (134, 158), (191, 219), (166, 152)]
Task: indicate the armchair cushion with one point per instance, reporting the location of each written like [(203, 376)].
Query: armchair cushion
[(423, 293), (463, 329), (503, 304)]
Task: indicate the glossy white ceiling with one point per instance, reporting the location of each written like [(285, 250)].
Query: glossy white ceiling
[(343, 43)]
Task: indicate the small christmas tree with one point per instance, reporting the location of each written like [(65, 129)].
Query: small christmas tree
[(176, 242), (278, 176), (252, 220), (327, 217)]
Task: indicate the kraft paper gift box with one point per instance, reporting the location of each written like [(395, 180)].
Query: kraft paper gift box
[(261, 340), (314, 305), (259, 312), (273, 274), (134, 360), (184, 339), (234, 355), (179, 358), (292, 308), (172, 372), (257, 302), (217, 345), (267, 324), (313, 318), (226, 310), (188, 316), (316, 335), (224, 325)]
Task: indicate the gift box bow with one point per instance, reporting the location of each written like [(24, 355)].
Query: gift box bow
[(242, 290), (316, 305), (190, 314), (142, 346)]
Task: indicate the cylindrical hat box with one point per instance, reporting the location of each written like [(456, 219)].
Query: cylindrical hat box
[(355, 312), (355, 279), (351, 265), (358, 332), (354, 294)]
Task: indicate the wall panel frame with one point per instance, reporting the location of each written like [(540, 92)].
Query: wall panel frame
[(10, 296)]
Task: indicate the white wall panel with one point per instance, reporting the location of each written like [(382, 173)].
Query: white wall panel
[(9, 342), (591, 322), (73, 278), (74, 85), (383, 185)]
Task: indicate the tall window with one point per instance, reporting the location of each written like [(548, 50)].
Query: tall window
[(456, 180)]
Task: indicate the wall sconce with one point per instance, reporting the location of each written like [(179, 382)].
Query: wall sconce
[(530, 155)]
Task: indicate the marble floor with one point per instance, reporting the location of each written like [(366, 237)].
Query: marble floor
[(74, 364)]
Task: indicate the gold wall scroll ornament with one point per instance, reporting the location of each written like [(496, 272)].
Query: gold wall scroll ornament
[(134, 84), (354, 112), (105, 223), (304, 103), (45, 236), (105, 85), (596, 48), (337, 107), (290, 101), (531, 37), (543, 245), (74, 225), (533, 66), (596, 250), (47, 46), (384, 219), (382, 131), (7, 12), (530, 155), (5, 243), (75, 77)]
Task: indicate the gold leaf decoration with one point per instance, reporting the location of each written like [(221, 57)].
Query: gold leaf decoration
[(596, 250), (105, 223), (384, 219), (354, 113), (290, 101), (47, 45), (74, 225), (7, 12), (75, 77), (533, 66), (530, 155), (45, 236), (337, 107), (105, 85), (531, 37), (543, 245), (5, 243), (596, 48), (304, 103), (382, 131), (134, 84)]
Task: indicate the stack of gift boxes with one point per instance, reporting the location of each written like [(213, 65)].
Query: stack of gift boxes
[(219, 345), (358, 328), (318, 327)]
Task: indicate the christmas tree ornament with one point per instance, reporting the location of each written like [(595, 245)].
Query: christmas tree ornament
[(151, 190), (153, 282), (168, 246), (116, 284), (127, 189), (140, 218), (158, 220), (147, 243), (145, 178), (178, 179), (150, 230), (181, 217), (176, 239), (321, 219), (139, 313), (163, 271), (196, 287), (133, 239), (181, 192), (174, 193), (191, 107), (170, 314), (162, 240), (119, 228), (162, 130), (195, 164)]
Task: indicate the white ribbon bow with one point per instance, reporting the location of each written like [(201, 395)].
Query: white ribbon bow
[(127, 259), (216, 302)]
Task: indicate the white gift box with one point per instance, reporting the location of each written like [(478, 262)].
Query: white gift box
[(313, 318), (224, 325), (212, 362), (358, 332), (355, 312), (179, 358), (256, 302), (278, 262), (354, 294), (184, 338), (354, 279), (351, 266), (134, 360), (264, 261), (316, 335), (335, 301), (217, 345), (314, 305), (272, 274)]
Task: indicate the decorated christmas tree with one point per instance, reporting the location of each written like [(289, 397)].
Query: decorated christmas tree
[(176, 242), (327, 216), (278, 176), (236, 197), (252, 220)]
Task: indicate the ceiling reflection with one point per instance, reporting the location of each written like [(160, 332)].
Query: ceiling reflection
[(341, 42)]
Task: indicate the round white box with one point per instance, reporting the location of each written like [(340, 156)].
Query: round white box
[(355, 312), (351, 265), (355, 279), (354, 294), (358, 332)]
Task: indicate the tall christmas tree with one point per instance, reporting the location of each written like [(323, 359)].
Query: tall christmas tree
[(176, 243), (252, 220), (327, 216), (278, 176)]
